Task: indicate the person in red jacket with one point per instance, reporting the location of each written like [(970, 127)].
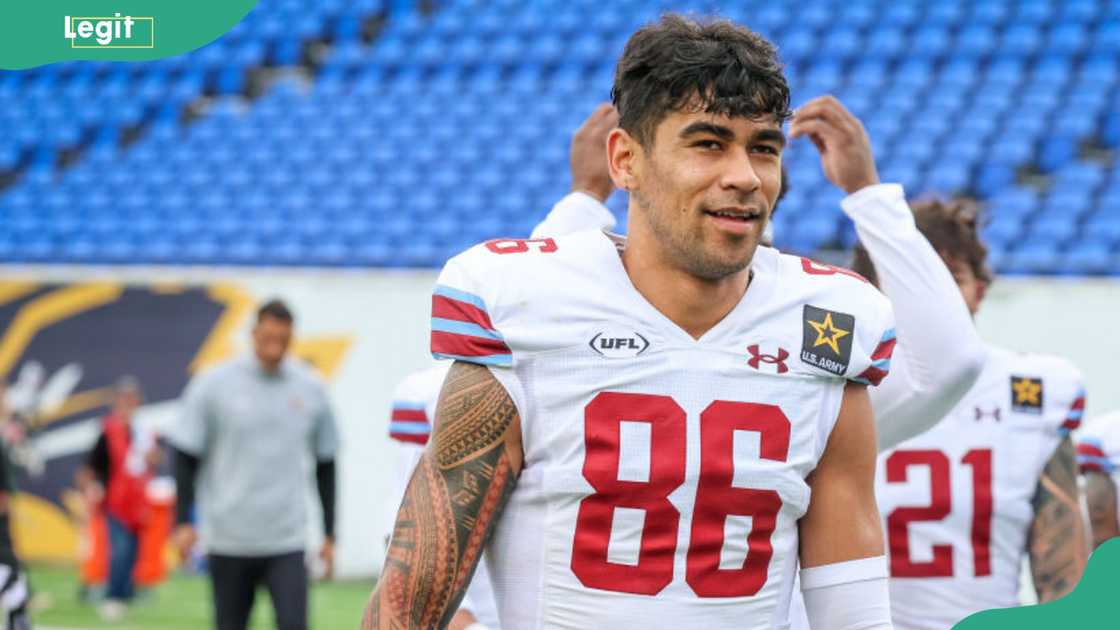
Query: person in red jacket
[(122, 462)]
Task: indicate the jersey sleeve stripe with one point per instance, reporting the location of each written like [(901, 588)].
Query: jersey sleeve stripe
[(1076, 411), (501, 360), (463, 328), (453, 304), (409, 415), (445, 343), (1095, 464), (886, 346), (1090, 448), (408, 404), (871, 376), (411, 439), (411, 428)]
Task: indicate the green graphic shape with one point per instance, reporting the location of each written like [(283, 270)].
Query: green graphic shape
[(47, 31), (1091, 604)]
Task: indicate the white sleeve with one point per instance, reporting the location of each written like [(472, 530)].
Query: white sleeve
[(851, 595), (408, 456), (575, 212), (938, 346)]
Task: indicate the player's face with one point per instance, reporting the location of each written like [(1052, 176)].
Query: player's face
[(972, 288), (271, 338), (706, 187)]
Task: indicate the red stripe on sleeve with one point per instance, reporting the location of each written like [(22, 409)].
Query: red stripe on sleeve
[(1091, 466), (873, 375), (447, 308), (884, 350), (410, 415), (1089, 450), (463, 345), (408, 437), (1078, 405)]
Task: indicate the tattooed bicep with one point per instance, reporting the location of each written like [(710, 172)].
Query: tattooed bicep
[(1100, 495), (452, 503), (474, 413), (1057, 539)]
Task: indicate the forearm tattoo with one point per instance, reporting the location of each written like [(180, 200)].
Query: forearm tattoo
[(1058, 548), (461, 484), (1100, 493)]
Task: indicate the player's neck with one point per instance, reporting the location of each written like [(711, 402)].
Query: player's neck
[(694, 304)]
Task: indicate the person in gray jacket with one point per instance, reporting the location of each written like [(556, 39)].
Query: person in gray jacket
[(246, 429)]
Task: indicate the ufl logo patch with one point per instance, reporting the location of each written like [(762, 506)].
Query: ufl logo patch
[(1026, 394), (615, 343), (827, 339)]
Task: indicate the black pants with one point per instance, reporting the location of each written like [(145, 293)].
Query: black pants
[(234, 580), (14, 591)]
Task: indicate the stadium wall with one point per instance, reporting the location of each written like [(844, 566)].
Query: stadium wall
[(365, 330)]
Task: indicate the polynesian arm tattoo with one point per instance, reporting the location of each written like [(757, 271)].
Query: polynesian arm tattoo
[(1057, 544), (1100, 494), (451, 505)]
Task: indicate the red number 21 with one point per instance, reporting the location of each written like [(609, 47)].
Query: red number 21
[(898, 464), (716, 498)]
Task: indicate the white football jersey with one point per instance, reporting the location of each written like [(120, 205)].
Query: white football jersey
[(1098, 447), (663, 475), (410, 424), (956, 500)]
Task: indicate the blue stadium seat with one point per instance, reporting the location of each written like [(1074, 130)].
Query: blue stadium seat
[(1055, 152), (1088, 259), (417, 133)]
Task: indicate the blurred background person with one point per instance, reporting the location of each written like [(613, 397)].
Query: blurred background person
[(14, 590), (245, 430), (118, 471)]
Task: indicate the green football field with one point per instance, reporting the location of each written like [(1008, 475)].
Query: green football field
[(183, 602)]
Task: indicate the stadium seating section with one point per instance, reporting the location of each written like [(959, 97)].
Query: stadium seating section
[(386, 133)]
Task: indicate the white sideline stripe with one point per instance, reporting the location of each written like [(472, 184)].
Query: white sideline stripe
[(80, 436)]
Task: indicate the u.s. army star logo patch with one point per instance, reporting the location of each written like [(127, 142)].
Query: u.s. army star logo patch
[(1026, 394), (827, 339)]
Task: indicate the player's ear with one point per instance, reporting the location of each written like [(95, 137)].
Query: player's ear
[(622, 149)]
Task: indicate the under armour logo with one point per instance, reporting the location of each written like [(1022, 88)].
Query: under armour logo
[(757, 358), (980, 413)]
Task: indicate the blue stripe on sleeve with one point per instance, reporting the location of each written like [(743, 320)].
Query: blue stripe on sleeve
[(409, 428), (1104, 463), (499, 360), (462, 296), (463, 328), (409, 405)]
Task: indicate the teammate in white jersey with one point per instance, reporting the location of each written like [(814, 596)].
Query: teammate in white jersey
[(673, 426), (963, 502), (1098, 455)]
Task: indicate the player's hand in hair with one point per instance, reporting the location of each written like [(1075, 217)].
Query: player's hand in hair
[(842, 141), (588, 156)]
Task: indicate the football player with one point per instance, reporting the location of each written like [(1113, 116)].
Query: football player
[(1098, 455), (655, 434), (996, 479)]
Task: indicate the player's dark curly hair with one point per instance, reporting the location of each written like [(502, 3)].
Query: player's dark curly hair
[(717, 67), (953, 228)]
